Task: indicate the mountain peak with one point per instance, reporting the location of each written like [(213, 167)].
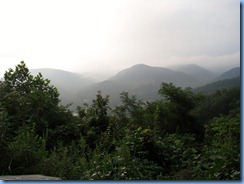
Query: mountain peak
[(139, 65), (185, 67)]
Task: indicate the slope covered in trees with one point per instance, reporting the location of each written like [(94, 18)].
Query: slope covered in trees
[(218, 85), (182, 136), (232, 73)]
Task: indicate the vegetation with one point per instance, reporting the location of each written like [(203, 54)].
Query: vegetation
[(182, 136), (221, 84)]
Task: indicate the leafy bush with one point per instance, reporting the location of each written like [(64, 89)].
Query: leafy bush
[(27, 151), (220, 159)]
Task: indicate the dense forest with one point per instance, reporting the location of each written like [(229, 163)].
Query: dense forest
[(185, 135)]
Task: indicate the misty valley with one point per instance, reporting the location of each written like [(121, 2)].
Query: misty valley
[(144, 123)]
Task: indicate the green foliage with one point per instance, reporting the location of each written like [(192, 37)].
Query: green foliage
[(32, 100), (219, 85), (184, 98), (27, 150), (94, 119), (59, 162), (131, 110), (4, 140), (63, 126), (174, 112), (26, 98), (120, 165), (222, 102), (220, 159), (176, 153)]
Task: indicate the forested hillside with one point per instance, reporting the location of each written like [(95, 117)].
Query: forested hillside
[(182, 136), (218, 85), (232, 73)]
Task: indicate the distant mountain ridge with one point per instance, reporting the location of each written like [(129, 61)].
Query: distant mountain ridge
[(228, 79), (232, 73), (201, 74), (142, 74), (141, 80), (144, 81), (218, 85)]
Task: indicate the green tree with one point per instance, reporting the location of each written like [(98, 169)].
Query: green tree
[(94, 119), (26, 98), (174, 111), (4, 141), (131, 113), (29, 100), (222, 102)]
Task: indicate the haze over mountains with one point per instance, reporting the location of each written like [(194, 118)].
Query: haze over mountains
[(68, 83), (201, 74), (141, 80)]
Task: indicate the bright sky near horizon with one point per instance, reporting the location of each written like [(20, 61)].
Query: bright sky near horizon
[(110, 35)]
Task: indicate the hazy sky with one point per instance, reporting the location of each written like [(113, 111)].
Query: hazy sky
[(110, 35)]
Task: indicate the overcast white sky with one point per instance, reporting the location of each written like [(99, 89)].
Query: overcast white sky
[(110, 35)]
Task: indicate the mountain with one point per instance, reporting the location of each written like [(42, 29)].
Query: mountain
[(218, 85), (68, 83), (200, 74), (228, 79), (141, 80), (143, 74), (232, 73)]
